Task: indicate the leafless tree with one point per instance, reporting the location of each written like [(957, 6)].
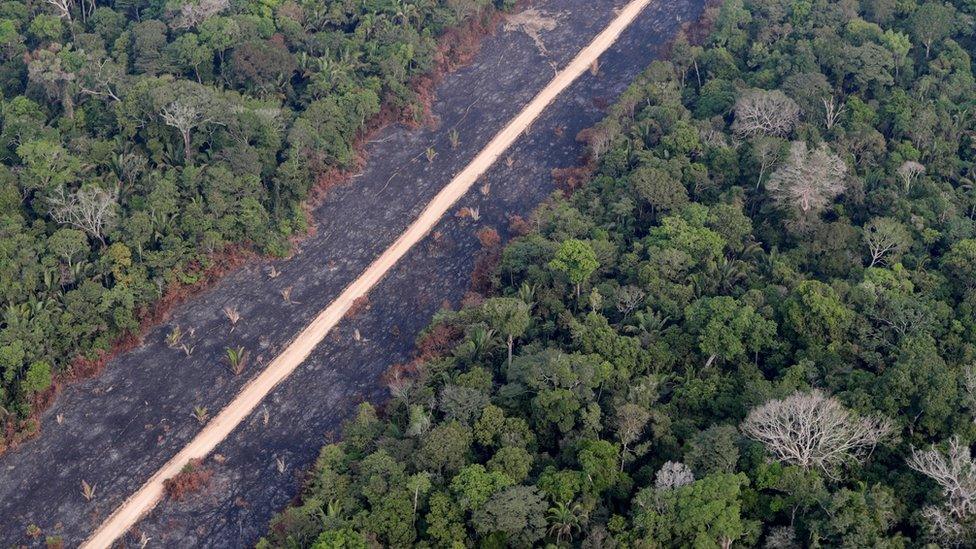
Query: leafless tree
[(955, 472), (99, 77), (87, 8), (91, 209), (61, 7), (598, 139), (185, 116), (762, 112), (767, 152), (832, 111), (712, 138), (813, 430), (629, 298), (782, 537), (192, 13), (630, 422), (885, 237), (46, 69), (909, 172), (969, 387), (129, 167), (673, 474), (809, 179)]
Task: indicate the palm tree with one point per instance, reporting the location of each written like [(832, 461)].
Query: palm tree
[(564, 520), (647, 325), (481, 342), (367, 22), (526, 293)]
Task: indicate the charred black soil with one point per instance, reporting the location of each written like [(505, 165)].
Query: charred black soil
[(114, 431)]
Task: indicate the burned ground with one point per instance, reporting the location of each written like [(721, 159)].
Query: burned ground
[(114, 431)]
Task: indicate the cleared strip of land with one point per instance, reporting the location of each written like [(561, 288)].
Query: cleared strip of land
[(143, 500)]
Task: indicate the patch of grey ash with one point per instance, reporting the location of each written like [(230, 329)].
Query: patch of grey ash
[(307, 409), (120, 427), (533, 22)]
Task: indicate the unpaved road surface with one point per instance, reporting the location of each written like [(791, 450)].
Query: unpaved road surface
[(118, 430), (298, 350)]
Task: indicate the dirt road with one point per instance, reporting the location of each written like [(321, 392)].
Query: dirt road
[(281, 367), (111, 428)]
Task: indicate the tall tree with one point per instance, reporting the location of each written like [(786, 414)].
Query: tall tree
[(510, 317), (576, 260)]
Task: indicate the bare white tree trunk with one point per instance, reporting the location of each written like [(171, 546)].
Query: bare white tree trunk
[(813, 430), (909, 172), (955, 472), (184, 117), (832, 111), (761, 112), (91, 209), (61, 7)]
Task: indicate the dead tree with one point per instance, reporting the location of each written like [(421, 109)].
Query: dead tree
[(809, 179), (673, 474), (955, 472), (814, 431), (767, 152), (99, 77), (192, 14), (832, 111), (762, 112), (91, 209), (885, 236), (969, 387), (61, 7), (630, 423), (910, 171), (184, 117)]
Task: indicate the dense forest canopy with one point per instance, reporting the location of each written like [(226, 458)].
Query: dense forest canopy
[(138, 138), (755, 325)]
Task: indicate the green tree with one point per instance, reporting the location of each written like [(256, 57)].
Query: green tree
[(599, 461), (445, 448), (512, 461), (931, 23), (728, 329), (473, 485), (509, 316), (576, 260), (815, 314), (517, 514), (48, 165), (860, 518), (445, 520), (565, 520), (661, 191), (68, 245), (705, 513), (340, 539), (960, 262), (37, 378), (714, 450), (148, 45)]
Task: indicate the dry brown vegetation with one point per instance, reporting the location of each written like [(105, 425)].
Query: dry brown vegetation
[(456, 48), (488, 237), (193, 478), (570, 179), (359, 306)]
